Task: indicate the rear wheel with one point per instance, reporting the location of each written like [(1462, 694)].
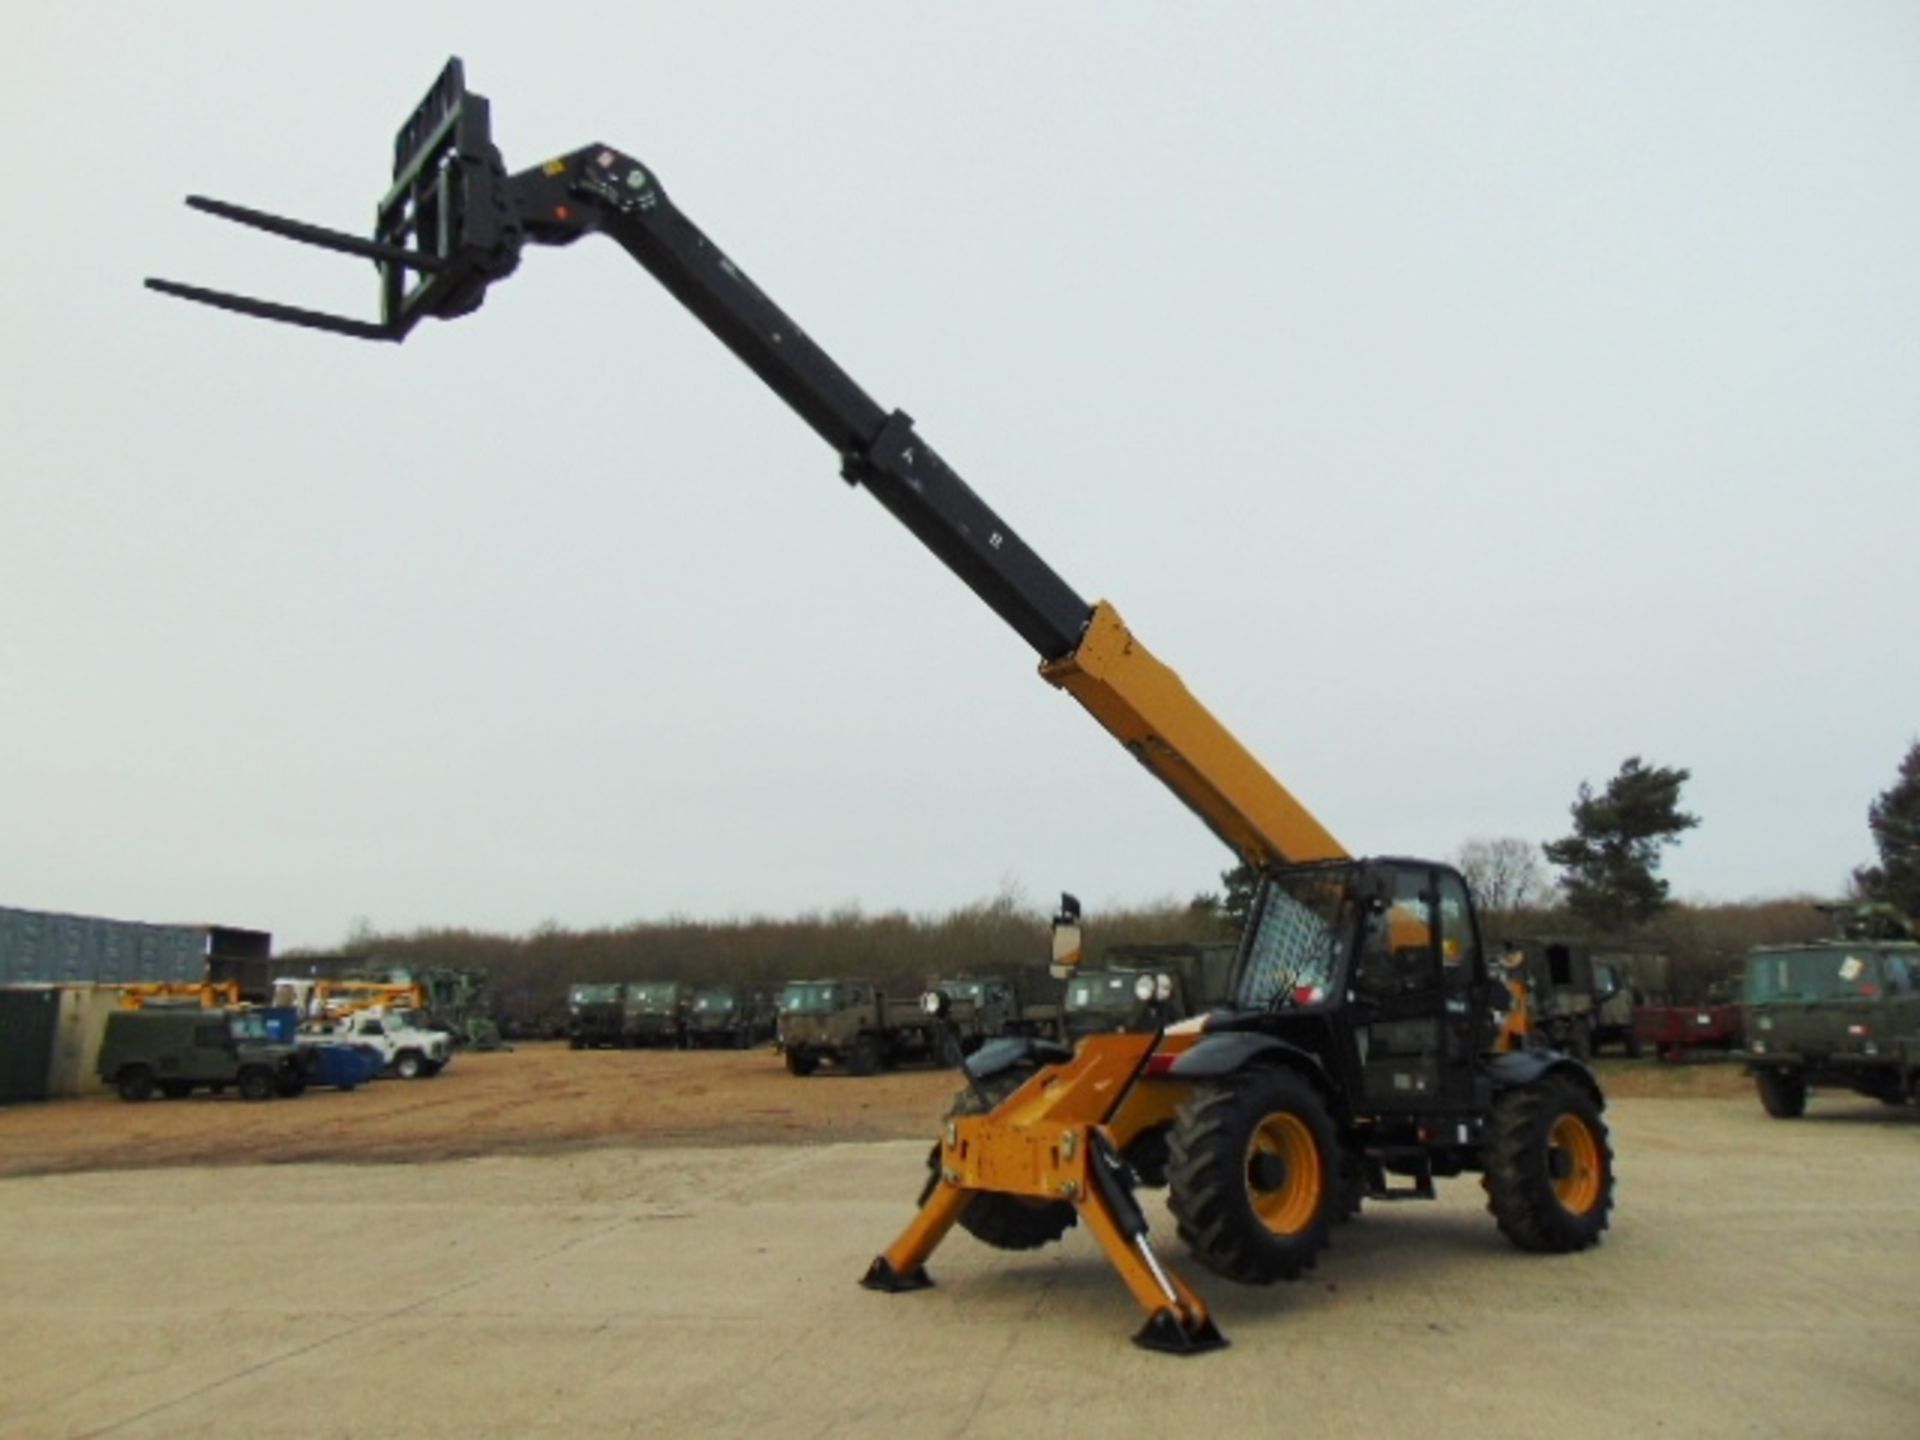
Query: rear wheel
[(135, 1084), (1006, 1222), (865, 1057), (1254, 1175), (1783, 1093), (409, 1065), (801, 1061), (256, 1084), (1549, 1167)]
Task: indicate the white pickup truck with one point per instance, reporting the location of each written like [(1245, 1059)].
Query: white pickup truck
[(408, 1051)]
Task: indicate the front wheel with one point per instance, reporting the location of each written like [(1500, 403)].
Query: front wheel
[(1254, 1175), (136, 1084), (1006, 1222), (801, 1061), (1549, 1167), (1783, 1094), (408, 1065), (256, 1084)]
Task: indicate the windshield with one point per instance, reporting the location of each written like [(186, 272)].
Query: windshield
[(1830, 974), (809, 997), (247, 1027), (653, 999), (713, 1002), (1299, 934), (1102, 993), (595, 995)]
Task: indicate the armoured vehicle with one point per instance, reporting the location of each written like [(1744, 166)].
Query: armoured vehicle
[(596, 1016), (173, 1050), (654, 1014), (1362, 1055), (854, 1024), (1146, 987), (730, 1016), (1844, 1013)]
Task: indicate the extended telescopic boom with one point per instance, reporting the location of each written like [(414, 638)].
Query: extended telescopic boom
[(454, 221)]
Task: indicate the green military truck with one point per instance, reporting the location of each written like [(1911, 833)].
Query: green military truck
[(596, 1016), (655, 1014), (1146, 987), (856, 1025), (978, 1008), (1578, 999), (1843, 1013), (175, 1050), (729, 1017)]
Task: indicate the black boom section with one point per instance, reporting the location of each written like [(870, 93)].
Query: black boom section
[(453, 223), (880, 451)]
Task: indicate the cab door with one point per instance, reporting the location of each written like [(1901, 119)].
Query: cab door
[(1413, 992)]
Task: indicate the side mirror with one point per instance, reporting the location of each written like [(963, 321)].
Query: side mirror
[(1066, 938)]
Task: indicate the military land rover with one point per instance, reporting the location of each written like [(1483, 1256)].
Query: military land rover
[(175, 1050)]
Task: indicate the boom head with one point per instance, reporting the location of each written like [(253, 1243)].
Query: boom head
[(446, 228)]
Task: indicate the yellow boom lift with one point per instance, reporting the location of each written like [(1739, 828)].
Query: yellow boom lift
[(1364, 1054)]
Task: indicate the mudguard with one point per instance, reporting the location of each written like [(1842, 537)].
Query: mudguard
[(1217, 1055), (1010, 1050), (1526, 1067)]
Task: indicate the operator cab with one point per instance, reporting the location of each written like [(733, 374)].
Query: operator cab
[(1376, 968)]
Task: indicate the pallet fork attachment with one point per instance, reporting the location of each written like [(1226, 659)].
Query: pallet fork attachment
[(444, 231), (1052, 1140)]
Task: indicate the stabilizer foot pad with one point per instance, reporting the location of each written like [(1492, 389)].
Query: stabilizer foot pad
[(1165, 1333), (883, 1277)]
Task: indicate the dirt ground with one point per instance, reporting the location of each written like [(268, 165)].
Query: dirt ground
[(689, 1270), (543, 1098)]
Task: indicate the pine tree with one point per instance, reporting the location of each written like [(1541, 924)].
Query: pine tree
[(1894, 819), (1612, 855)]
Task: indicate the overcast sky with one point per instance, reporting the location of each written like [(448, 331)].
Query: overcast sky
[(1461, 398)]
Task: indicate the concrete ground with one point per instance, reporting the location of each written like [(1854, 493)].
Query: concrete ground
[(1762, 1278)]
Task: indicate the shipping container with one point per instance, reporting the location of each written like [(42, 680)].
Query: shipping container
[(82, 1024), (42, 948), (29, 1018)]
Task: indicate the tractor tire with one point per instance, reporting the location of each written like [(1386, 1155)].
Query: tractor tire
[(1255, 1176), (409, 1065), (1549, 1167), (176, 1089), (801, 1061), (256, 1083), (1148, 1157), (1006, 1222), (135, 1084), (1783, 1094), (865, 1057)]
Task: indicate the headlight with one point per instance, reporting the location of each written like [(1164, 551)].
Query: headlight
[(1143, 989)]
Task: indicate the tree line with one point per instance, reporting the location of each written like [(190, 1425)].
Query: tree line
[(1608, 890)]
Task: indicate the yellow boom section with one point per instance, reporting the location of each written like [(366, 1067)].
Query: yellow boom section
[(1144, 706)]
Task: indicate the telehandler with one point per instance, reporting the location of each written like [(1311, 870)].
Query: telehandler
[(1364, 1054)]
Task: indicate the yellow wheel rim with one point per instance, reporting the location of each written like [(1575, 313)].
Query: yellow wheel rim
[(1578, 1189), (1284, 1176)]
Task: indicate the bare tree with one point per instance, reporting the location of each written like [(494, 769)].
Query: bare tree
[(1504, 874)]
